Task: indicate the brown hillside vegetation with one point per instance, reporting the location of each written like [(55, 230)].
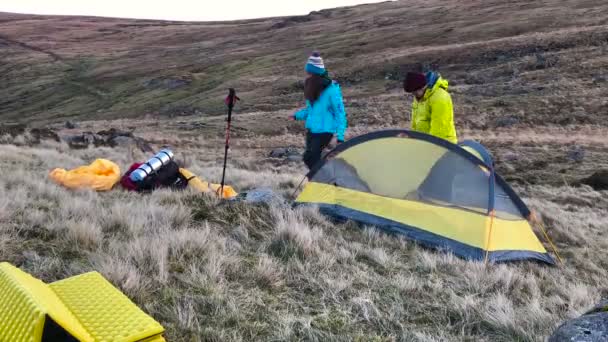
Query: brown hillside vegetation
[(535, 61)]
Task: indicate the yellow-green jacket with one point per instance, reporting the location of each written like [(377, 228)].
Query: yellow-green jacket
[(434, 113)]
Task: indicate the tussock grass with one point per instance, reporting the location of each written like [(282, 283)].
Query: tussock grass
[(216, 271)]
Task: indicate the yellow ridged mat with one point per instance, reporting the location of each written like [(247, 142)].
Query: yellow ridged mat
[(84, 308), (198, 184)]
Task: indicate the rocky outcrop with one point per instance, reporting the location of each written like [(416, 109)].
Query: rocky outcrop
[(598, 180), (587, 328), (12, 129), (286, 153), (590, 327), (39, 134), (108, 138)]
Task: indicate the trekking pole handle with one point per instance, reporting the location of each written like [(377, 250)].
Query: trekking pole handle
[(231, 98)]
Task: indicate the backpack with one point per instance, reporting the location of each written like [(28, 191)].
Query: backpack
[(167, 176)]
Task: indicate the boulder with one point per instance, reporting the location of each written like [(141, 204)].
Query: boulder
[(70, 125), (598, 181), (263, 195), (122, 141), (39, 134), (278, 153), (506, 121), (602, 306), (109, 138), (294, 158), (587, 328), (576, 154), (600, 78), (113, 133), (12, 129), (284, 152), (83, 140)]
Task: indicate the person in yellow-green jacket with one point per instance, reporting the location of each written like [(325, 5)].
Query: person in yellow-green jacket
[(432, 110)]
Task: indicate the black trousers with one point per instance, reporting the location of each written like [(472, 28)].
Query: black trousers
[(315, 144)]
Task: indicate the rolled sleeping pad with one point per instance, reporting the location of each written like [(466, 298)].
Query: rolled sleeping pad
[(197, 184), (154, 164)]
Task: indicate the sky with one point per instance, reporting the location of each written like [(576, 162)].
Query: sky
[(196, 10)]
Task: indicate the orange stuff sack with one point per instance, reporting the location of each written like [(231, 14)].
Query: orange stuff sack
[(201, 186), (101, 175)]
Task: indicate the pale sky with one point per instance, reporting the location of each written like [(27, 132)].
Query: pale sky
[(196, 10)]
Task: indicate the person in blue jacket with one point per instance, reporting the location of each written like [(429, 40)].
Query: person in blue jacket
[(324, 113)]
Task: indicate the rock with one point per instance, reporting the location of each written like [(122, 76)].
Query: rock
[(40, 134), (122, 141), (576, 154), (600, 78), (113, 132), (598, 181), (12, 129), (602, 306), (587, 328), (77, 142), (83, 140), (278, 153), (284, 152), (70, 125), (294, 158), (108, 138), (507, 121), (263, 195)]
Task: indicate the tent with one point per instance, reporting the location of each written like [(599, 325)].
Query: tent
[(439, 194)]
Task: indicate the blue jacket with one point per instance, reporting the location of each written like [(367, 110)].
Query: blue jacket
[(327, 114)]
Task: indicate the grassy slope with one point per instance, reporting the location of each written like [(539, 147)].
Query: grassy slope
[(518, 58), (210, 272), (216, 272)]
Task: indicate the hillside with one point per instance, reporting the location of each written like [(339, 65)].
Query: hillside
[(535, 62), (528, 79)]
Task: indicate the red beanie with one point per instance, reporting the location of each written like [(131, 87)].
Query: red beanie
[(414, 81)]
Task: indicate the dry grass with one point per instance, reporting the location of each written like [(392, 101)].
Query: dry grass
[(213, 271)]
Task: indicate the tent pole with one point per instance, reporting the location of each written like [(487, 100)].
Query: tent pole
[(298, 187), (492, 216), (534, 219), (491, 210)]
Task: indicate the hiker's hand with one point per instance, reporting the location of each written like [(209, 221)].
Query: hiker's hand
[(333, 143), (291, 117)]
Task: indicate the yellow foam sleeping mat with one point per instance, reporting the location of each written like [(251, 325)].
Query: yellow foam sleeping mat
[(84, 308), (101, 175), (200, 185)]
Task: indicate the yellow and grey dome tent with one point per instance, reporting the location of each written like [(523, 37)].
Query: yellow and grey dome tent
[(439, 194)]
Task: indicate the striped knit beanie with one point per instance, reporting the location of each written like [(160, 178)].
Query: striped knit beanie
[(315, 65)]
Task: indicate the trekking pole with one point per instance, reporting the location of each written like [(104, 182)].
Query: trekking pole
[(299, 186), (230, 101)]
